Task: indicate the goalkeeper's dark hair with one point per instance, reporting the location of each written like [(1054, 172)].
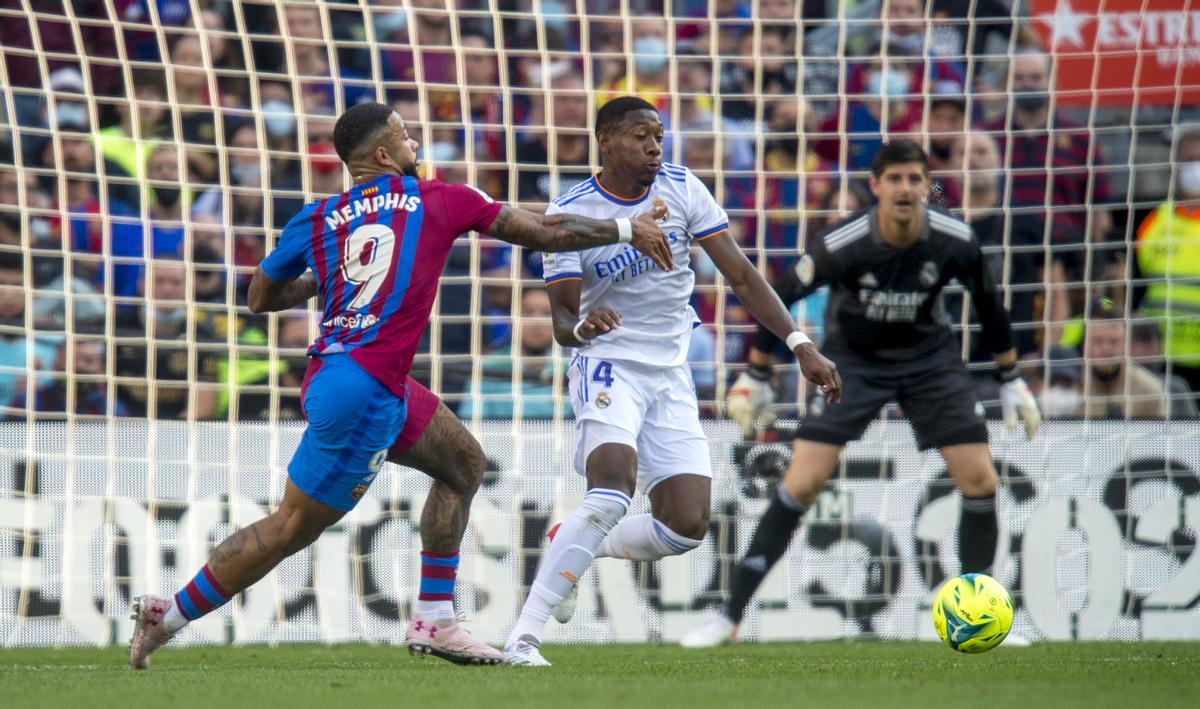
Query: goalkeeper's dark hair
[(612, 114), (358, 125), (898, 152)]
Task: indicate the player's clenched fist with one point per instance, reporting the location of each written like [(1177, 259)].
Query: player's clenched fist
[(649, 238), (821, 371), (597, 322), (748, 400)]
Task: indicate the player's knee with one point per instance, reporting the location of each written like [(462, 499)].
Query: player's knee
[(296, 530), (692, 523), (474, 464), (975, 480)]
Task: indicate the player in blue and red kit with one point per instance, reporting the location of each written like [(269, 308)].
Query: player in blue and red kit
[(374, 254)]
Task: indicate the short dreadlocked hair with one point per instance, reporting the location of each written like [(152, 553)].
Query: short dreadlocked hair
[(359, 124)]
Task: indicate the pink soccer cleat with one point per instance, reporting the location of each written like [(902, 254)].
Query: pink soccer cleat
[(149, 632), (450, 641)]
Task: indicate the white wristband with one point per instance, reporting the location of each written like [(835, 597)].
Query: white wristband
[(624, 230), (575, 332), (796, 339)]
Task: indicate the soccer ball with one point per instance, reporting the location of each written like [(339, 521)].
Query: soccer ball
[(973, 613)]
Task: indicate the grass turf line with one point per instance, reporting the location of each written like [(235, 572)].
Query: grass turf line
[(850, 674)]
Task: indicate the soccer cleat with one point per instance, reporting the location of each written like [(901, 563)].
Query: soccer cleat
[(713, 632), (1014, 640), (450, 641), (525, 653), (149, 632), (566, 607)]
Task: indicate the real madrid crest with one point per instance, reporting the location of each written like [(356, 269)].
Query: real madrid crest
[(602, 399), (929, 274)]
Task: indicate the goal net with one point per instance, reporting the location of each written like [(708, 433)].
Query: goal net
[(151, 152)]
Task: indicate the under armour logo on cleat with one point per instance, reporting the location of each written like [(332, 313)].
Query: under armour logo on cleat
[(418, 625), (432, 632)]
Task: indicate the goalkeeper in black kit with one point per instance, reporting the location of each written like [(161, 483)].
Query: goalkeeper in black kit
[(888, 333)]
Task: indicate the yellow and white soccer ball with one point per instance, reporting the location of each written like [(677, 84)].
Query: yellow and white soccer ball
[(973, 613)]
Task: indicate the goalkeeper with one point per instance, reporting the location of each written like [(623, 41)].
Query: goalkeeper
[(887, 332)]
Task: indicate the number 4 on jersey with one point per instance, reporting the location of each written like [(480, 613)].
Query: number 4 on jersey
[(603, 373)]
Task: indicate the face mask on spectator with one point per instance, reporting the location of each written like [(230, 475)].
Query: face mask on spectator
[(170, 316), (71, 115), (389, 23), (166, 196), (246, 174), (1058, 401), (1188, 180), (1030, 100), (649, 54), (887, 83), (278, 118), (907, 43)]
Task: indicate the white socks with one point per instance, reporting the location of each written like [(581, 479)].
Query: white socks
[(643, 538), (434, 610), (173, 620), (567, 557)]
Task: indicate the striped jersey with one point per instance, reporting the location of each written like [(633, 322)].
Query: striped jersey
[(885, 303), (656, 318), (377, 252)]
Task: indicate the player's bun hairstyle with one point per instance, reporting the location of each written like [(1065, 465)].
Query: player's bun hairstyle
[(613, 113), (898, 152), (357, 125)]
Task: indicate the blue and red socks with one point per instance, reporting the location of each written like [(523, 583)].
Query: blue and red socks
[(201, 596), (435, 601)]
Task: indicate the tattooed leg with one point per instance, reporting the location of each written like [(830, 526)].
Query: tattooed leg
[(251, 552), (448, 453)]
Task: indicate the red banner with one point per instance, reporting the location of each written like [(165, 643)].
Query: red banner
[(1122, 52)]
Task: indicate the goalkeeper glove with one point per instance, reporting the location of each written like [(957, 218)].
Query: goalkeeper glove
[(748, 401), (1017, 402)]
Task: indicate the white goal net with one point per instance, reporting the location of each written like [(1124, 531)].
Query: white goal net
[(152, 150)]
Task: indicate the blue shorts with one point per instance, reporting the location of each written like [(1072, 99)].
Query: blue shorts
[(352, 421)]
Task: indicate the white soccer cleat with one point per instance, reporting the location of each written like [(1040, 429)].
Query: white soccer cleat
[(713, 632), (525, 653), (566, 607), (450, 641), (1014, 640), (149, 632)]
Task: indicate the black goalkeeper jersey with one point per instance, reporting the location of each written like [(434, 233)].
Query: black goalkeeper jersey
[(885, 303)]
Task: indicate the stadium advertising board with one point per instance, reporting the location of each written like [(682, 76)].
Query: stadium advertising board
[(1099, 521)]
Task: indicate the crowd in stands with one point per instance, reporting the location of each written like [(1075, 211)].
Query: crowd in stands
[(146, 167)]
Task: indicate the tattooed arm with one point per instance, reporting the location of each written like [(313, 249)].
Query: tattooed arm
[(572, 232), (269, 295)]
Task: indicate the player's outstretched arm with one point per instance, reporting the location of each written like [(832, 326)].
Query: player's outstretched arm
[(268, 295), (766, 307), (572, 232)]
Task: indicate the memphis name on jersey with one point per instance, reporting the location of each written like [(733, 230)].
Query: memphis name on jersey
[(656, 318), (391, 202)]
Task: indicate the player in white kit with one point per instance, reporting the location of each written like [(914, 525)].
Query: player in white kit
[(636, 418)]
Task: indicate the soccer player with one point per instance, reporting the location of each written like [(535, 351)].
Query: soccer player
[(888, 333), (636, 419), (374, 255)]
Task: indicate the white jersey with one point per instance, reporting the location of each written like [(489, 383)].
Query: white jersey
[(656, 318)]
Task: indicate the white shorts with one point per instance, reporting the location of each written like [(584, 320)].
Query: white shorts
[(650, 409)]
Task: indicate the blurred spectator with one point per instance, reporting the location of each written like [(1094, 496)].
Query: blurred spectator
[(1063, 183), (533, 370), (126, 146), (1012, 243), (15, 337), (310, 53), (651, 66), (567, 118), (429, 36), (886, 98), (901, 43), (974, 30), (945, 122), (325, 169), (164, 231), (1145, 348), (1115, 387), (1057, 379), (775, 55), (84, 230), (157, 382), (1168, 256), (196, 107), (86, 378)]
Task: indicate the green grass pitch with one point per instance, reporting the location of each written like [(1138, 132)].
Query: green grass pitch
[(850, 674)]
